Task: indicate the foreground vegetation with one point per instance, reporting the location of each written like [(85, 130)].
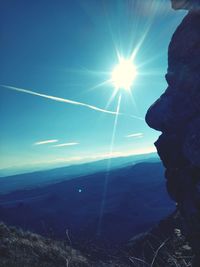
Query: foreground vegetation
[(26, 249)]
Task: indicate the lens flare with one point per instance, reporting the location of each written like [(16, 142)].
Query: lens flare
[(124, 74)]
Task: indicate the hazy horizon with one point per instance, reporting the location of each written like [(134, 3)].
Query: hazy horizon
[(17, 170)]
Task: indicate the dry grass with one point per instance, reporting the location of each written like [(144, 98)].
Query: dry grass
[(172, 252), (25, 249)]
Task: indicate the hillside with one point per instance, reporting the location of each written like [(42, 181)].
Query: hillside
[(135, 199), (18, 248), (164, 245)]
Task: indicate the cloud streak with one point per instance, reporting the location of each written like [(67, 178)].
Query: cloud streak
[(45, 142), (134, 135), (58, 99), (68, 101), (66, 144)]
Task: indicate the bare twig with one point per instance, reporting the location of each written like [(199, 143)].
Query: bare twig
[(157, 251), (133, 259), (68, 237)]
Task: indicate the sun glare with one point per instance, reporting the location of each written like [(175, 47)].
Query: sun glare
[(124, 74)]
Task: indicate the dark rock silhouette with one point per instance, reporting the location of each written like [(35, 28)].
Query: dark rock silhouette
[(177, 114), (185, 4)]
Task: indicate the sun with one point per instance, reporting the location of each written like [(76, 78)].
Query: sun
[(124, 74)]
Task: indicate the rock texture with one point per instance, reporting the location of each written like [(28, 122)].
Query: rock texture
[(177, 115), (185, 4)]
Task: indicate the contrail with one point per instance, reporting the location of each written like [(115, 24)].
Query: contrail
[(68, 101), (58, 99)]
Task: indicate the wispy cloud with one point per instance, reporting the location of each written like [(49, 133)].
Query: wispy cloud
[(59, 99), (45, 142), (66, 144), (139, 135)]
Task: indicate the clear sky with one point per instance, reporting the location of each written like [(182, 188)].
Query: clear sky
[(68, 49)]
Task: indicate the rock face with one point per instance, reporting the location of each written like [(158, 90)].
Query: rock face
[(177, 115), (185, 4)]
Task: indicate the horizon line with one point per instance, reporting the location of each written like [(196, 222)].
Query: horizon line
[(53, 164)]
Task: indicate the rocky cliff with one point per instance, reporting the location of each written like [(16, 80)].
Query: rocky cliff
[(177, 115)]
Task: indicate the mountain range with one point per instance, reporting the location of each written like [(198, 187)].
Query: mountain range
[(109, 206), (45, 177)]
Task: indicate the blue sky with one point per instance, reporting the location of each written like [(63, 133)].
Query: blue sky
[(66, 49)]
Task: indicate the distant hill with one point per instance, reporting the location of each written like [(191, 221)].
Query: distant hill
[(42, 178), (135, 199)]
